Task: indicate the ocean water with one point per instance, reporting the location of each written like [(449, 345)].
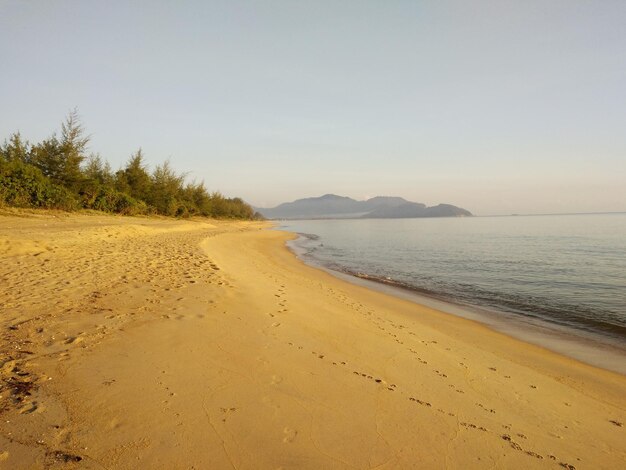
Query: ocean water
[(563, 270)]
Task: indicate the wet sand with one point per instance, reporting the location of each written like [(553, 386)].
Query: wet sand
[(587, 347), (148, 343)]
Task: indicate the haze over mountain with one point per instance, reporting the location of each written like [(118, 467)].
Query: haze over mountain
[(331, 206)]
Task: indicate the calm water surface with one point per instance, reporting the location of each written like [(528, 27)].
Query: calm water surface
[(569, 270)]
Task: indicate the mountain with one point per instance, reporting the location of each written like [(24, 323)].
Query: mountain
[(331, 206), (413, 210), (327, 206)]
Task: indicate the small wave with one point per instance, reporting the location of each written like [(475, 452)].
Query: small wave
[(309, 236), (564, 315)]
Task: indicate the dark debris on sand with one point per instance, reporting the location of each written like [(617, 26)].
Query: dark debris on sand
[(64, 457)]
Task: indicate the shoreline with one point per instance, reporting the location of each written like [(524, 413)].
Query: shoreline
[(589, 347), (175, 344)]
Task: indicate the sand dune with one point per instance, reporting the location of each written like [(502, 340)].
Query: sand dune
[(145, 343)]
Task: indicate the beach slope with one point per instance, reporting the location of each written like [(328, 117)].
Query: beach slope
[(146, 343)]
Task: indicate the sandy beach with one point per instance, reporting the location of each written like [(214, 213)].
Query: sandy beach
[(154, 343)]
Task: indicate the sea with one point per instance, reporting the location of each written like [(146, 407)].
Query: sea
[(556, 280)]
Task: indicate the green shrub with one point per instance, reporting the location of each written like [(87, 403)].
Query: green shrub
[(23, 185), (111, 200), (126, 205)]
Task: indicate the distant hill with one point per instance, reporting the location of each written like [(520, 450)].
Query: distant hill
[(331, 206)]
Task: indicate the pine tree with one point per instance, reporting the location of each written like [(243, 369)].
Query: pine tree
[(166, 190), (73, 145), (60, 160), (137, 177), (15, 149)]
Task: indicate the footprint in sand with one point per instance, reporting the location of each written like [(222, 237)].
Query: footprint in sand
[(290, 435), (114, 423), (490, 410), (226, 412), (73, 340), (421, 402), (516, 446)]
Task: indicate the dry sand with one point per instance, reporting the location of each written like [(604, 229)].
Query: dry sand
[(144, 343)]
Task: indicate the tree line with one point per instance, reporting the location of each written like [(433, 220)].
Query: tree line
[(57, 173)]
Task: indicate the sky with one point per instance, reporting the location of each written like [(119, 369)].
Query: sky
[(496, 106)]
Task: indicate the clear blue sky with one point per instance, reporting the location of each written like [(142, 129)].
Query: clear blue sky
[(497, 106)]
